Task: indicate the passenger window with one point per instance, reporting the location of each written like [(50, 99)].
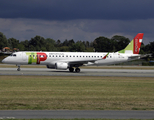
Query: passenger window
[(66, 55)]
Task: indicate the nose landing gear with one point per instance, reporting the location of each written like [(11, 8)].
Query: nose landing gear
[(18, 69)]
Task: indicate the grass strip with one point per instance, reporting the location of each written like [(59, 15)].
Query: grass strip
[(76, 93)]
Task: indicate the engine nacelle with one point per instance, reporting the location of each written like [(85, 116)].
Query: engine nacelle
[(61, 66), (51, 66)]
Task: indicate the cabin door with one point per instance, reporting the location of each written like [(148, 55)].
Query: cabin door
[(24, 57)]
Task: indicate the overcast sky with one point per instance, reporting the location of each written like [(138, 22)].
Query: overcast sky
[(83, 20)]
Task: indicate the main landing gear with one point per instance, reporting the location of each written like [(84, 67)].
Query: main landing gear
[(76, 70)]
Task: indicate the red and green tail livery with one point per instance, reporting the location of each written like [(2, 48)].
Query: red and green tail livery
[(134, 46)]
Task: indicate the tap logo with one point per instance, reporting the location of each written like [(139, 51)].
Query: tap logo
[(41, 57), (36, 57)]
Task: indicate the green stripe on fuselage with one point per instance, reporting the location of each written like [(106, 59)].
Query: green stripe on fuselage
[(32, 58)]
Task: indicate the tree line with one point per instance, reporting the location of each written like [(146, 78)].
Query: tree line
[(100, 44)]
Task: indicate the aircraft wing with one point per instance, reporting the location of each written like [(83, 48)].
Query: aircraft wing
[(81, 62)]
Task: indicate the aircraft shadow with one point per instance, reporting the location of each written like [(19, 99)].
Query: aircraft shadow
[(58, 71)]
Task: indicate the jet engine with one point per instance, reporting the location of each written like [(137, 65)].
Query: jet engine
[(61, 66), (51, 66)]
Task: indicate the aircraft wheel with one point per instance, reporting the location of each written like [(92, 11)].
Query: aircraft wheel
[(71, 69), (18, 68), (77, 70)]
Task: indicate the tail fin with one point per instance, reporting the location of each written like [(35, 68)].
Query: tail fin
[(134, 46)]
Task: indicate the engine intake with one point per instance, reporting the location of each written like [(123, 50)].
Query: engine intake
[(51, 66)]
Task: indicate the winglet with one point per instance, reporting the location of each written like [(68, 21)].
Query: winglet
[(105, 56)]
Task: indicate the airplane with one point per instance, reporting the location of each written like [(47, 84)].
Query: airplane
[(71, 60)]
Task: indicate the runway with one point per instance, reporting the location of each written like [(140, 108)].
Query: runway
[(84, 72), (70, 114)]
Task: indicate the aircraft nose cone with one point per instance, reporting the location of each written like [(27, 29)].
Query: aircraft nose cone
[(3, 61)]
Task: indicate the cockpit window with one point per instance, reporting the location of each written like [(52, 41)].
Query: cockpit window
[(14, 55)]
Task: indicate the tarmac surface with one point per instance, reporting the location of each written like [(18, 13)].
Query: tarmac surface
[(70, 114), (84, 72)]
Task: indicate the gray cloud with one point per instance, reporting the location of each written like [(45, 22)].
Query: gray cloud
[(76, 19), (77, 9), (83, 29)]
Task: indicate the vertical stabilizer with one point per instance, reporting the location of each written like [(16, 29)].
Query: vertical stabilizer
[(134, 46)]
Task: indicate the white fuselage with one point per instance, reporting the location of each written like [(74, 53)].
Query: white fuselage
[(65, 60), (50, 58)]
